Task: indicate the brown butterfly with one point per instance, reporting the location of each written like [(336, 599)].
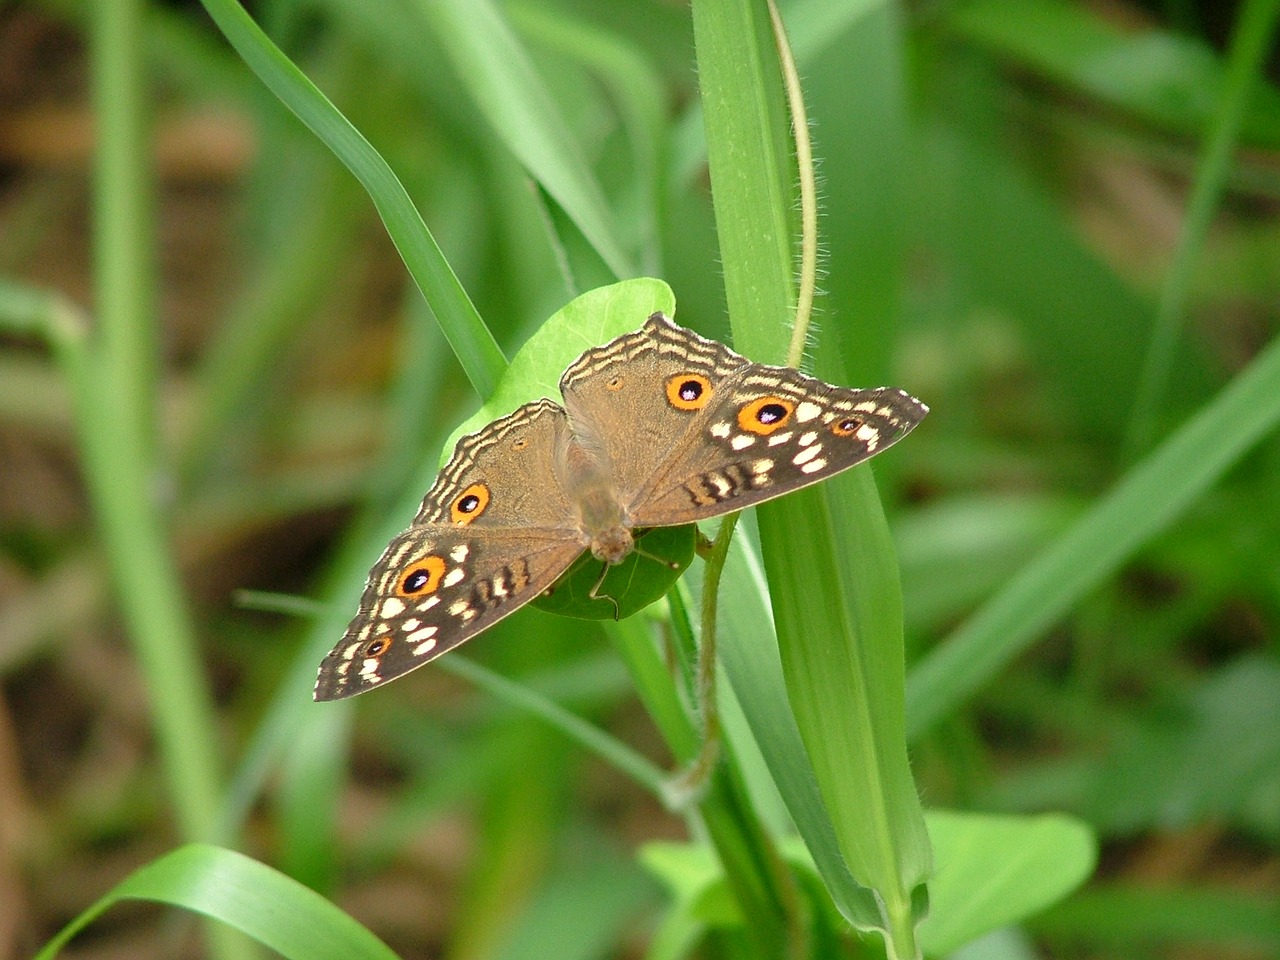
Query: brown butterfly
[(659, 427)]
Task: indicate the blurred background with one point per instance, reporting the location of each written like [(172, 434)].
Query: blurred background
[(1009, 223)]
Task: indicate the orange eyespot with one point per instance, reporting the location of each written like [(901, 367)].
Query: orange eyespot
[(842, 428), (377, 646), (765, 415), (519, 443), (422, 576), (614, 383), (689, 391), (471, 504)]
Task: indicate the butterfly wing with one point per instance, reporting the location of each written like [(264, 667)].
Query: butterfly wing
[(494, 531), (692, 430), (635, 399), (766, 432)]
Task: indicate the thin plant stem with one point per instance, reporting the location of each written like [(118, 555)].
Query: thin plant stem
[(808, 191)]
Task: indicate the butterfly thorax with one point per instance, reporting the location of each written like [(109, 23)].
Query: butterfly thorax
[(602, 521)]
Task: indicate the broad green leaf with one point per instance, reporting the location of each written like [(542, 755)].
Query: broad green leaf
[(589, 320), (992, 871)]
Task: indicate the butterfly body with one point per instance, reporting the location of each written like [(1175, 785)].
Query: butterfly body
[(659, 427)]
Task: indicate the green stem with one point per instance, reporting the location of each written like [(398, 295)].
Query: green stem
[(808, 191), (113, 387)]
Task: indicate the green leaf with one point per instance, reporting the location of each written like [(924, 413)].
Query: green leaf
[(589, 320), (833, 579), (628, 587), (993, 871), (278, 912)]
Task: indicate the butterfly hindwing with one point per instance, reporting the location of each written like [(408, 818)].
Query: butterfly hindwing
[(493, 532), (433, 588)]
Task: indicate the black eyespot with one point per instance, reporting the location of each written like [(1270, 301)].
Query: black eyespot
[(415, 581), (377, 647), (690, 390), (771, 413), (468, 504), (843, 428)]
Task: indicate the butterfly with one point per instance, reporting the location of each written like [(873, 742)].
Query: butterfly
[(659, 427)]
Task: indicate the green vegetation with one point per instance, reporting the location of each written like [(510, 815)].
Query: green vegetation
[(1051, 614)]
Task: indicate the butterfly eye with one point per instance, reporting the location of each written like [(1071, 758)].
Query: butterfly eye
[(689, 391), (471, 504), (422, 577), (765, 415), (842, 428)]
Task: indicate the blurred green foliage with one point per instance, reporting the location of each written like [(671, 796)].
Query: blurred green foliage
[(1020, 205)]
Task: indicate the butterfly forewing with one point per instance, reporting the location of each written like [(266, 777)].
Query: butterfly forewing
[(624, 399), (769, 431)]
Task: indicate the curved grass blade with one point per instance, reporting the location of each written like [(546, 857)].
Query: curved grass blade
[(477, 351), (1145, 501), (278, 912)]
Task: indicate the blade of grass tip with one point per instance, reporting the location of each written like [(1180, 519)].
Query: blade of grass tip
[(473, 344), (636, 89), (495, 68), (1145, 501), (1251, 41)]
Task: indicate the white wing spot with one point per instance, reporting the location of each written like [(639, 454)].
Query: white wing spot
[(777, 438), (762, 466), (350, 652), (428, 603), (807, 454), (424, 648), (421, 635), (722, 485), (458, 608), (806, 411), (869, 435), (813, 466), (720, 430), (499, 588), (459, 553), (454, 576), (808, 438), (392, 607), (413, 623), (369, 670), (868, 407), (742, 441)]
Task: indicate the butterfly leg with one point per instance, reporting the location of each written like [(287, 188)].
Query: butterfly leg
[(595, 594)]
